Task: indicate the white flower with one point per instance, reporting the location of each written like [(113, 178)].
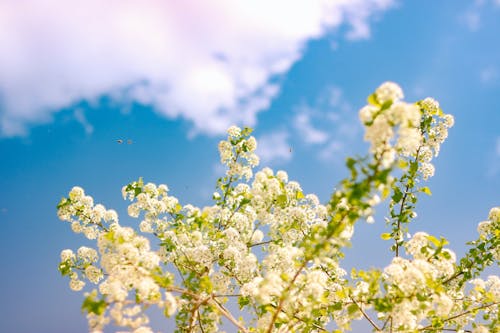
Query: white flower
[(93, 273), (67, 255), (494, 214), (76, 227), (170, 304), (425, 154), (251, 143), (111, 216), (484, 228), (480, 329), (427, 170), (366, 113), (444, 304), (143, 329), (409, 140), (76, 285), (76, 193), (257, 236), (431, 105), (87, 254), (389, 91), (449, 120), (234, 131)]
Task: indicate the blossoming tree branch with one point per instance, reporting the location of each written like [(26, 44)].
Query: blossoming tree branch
[(275, 251)]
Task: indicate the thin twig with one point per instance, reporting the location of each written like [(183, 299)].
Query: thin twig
[(284, 295), (484, 306), (225, 312), (365, 315), (261, 243)]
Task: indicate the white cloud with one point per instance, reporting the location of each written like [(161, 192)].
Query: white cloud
[(307, 132), (332, 149), (80, 117), (274, 147), (330, 123), (211, 63)]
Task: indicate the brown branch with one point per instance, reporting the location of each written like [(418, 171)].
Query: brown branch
[(225, 312), (484, 306), (261, 243), (401, 212), (284, 295), (365, 315)]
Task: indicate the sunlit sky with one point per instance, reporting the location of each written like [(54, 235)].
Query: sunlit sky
[(171, 76)]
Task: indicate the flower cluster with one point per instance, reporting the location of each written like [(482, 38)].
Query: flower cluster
[(276, 251), (124, 266), (84, 216), (387, 115), (237, 153)]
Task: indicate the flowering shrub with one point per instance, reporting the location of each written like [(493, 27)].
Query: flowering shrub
[(276, 251)]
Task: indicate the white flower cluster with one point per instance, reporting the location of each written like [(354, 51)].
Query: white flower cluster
[(421, 127), (438, 124), (489, 230), (422, 288), (411, 280), (79, 210), (154, 201), (237, 153), (81, 266), (129, 265), (386, 112), (126, 264), (276, 250)]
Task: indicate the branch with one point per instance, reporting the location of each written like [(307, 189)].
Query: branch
[(484, 306), (401, 212), (261, 243), (283, 296), (365, 315), (225, 312)]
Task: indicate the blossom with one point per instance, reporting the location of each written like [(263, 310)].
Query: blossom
[(389, 91), (234, 131), (277, 251), (494, 215), (430, 105), (67, 255), (427, 170)]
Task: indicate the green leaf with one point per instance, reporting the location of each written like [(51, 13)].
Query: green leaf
[(351, 309), (281, 200), (385, 236), (65, 268), (178, 208), (386, 105), (434, 240), (372, 99), (91, 306), (64, 202), (243, 301), (206, 284), (402, 164), (425, 190), (245, 201), (398, 195), (350, 162)]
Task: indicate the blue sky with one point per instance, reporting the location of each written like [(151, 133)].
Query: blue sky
[(99, 73)]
